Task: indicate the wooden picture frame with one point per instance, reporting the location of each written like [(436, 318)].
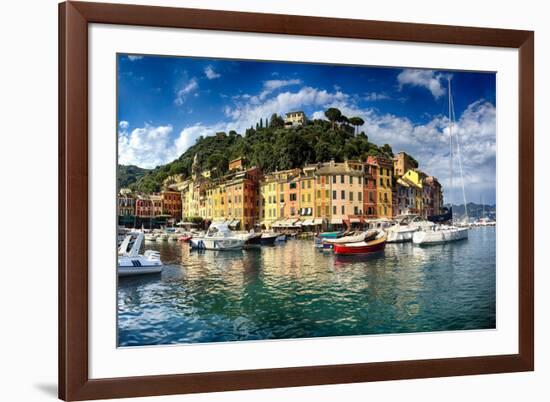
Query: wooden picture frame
[(74, 381)]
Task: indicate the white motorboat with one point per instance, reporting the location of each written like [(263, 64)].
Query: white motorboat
[(440, 235), (218, 237), (133, 263), (150, 237), (406, 225)]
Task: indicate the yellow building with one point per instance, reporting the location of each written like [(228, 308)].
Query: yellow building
[(416, 178), (293, 119), (306, 209), (382, 170), (219, 204), (269, 200)]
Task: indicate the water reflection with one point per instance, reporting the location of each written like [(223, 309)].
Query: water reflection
[(293, 290)]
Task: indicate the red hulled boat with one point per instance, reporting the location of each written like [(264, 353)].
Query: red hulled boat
[(378, 244)]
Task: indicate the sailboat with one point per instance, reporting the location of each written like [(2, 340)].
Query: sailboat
[(443, 233)]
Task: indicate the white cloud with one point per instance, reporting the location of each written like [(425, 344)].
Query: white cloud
[(374, 96), (134, 57), (429, 144), (210, 73), (146, 147), (191, 86), (428, 79), (123, 125), (272, 85)]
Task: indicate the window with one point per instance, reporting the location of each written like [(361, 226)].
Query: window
[(327, 209), (293, 197), (334, 209), (342, 178), (382, 182), (292, 211), (293, 185), (309, 198), (355, 211), (360, 180), (359, 196), (318, 193), (343, 194), (333, 194), (327, 193), (282, 198), (343, 210), (318, 211), (334, 179), (303, 198), (350, 196), (309, 184), (351, 180), (388, 182), (303, 184)]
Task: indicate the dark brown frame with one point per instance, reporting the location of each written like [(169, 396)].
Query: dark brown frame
[(74, 17)]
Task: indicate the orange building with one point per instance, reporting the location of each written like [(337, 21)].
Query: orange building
[(171, 203)]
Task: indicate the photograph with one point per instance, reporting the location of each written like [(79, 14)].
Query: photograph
[(262, 200)]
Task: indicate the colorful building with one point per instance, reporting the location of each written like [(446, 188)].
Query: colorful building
[(243, 201), (433, 197), (171, 204), (382, 170)]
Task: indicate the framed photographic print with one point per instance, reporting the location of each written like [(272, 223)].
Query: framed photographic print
[(260, 200)]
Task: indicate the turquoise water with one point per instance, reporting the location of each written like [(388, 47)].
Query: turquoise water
[(292, 290)]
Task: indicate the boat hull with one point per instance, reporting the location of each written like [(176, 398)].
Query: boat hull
[(358, 248), (268, 240), (132, 271), (217, 244), (440, 236)]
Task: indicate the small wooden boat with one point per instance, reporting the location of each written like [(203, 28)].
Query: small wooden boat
[(362, 247), (352, 238)]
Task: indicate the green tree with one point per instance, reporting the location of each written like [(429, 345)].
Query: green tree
[(332, 114), (356, 122), (276, 121)]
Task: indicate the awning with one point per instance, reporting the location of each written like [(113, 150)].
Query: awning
[(276, 224), (307, 222), (318, 221), (355, 220), (336, 221)]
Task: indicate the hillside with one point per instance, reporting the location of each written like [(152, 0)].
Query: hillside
[(475, 211), (270, 148), (130, 174)]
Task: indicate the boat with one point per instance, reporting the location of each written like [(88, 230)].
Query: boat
[(185, 238), (254, 240), (363, 247), (330, 235), (281, 237), (402, 231), (268, 239), (440, 235), (445, 233), (218, 237), (351, 238), (150, 237), (132, 263)]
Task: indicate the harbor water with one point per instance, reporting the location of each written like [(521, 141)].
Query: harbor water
[(293, 290)]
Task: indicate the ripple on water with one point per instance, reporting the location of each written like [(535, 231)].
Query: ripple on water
[(292, 290)]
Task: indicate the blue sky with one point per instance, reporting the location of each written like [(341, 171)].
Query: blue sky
[(166, 103)]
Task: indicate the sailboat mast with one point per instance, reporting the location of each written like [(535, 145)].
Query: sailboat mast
[(450, 145)]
